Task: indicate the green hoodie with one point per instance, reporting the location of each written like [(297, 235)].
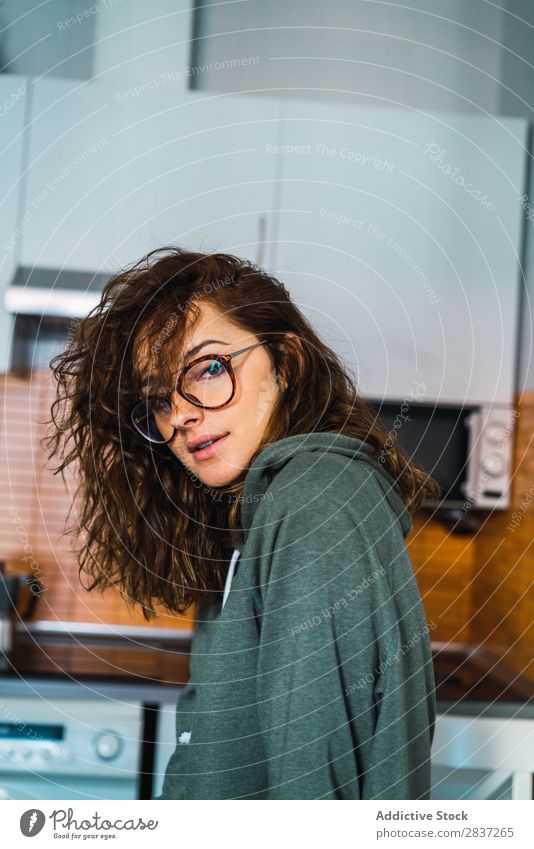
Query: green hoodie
[(314, 680)]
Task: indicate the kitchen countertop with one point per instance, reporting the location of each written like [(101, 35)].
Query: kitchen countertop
[(488, 710), (133, 689), (468, 679), (62, 687), (470, 674), (102, 634)]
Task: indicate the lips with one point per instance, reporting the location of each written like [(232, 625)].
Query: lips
[(204, 442)]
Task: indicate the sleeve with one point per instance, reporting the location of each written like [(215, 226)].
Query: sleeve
[(345, 688)]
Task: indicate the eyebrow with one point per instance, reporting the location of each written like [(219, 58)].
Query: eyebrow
[(197, 348), (190, 353)]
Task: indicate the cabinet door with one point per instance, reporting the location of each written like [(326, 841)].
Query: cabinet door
[(119, 173), (400, 237), (12, 105)]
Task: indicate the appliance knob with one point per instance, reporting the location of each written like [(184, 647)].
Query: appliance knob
[(496, 433), (108, 745), (493, 465)]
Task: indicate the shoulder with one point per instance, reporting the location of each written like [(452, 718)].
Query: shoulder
[(319, 499), (315, 479), (326, 524)]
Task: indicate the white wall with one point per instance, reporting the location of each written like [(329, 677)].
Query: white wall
[(136, 42), (433, 55), (460, 56), (39, 38), (517, 98)]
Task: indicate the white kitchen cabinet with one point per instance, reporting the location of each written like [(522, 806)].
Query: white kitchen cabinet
[(397, 232), (483, 751), (399, 235), (119, 173), (13, 90)]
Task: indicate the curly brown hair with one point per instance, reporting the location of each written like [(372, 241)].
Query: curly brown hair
[(139, 511)]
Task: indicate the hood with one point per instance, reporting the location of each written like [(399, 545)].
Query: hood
[(57, 292), (275, 456)]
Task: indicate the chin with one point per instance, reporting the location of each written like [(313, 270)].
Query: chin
[(216, 479), (222, 476)]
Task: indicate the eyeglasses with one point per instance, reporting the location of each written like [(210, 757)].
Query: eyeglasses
[(208, 382)]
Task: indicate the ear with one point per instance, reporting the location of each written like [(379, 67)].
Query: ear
[(294, 348)]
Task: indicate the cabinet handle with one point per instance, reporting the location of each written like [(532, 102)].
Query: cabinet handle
[(262, 236)]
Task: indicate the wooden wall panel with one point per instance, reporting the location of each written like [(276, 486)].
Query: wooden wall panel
[(503, 600), (18, 452), (42, 501), (443, 565), (476, 589)]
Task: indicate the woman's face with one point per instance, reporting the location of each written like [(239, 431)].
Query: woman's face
[(241, 424)]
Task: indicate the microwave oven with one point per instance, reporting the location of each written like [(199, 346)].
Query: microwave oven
[(467, 449)]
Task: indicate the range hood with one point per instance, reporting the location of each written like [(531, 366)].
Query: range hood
[(55, 292)]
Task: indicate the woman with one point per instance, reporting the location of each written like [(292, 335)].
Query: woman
[(227, 461)]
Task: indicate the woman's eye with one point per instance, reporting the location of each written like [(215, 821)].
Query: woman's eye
[(160, 405), (213, 370)]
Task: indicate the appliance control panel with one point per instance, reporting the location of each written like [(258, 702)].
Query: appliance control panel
[(70, 737), (491, 432)]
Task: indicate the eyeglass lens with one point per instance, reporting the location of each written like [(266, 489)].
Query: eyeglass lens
[(207, 384)]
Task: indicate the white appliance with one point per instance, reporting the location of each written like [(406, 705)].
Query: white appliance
[(69, 749), (466, 448), (483, 751)]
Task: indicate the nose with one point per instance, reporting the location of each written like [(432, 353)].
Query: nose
[(183, 411)]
